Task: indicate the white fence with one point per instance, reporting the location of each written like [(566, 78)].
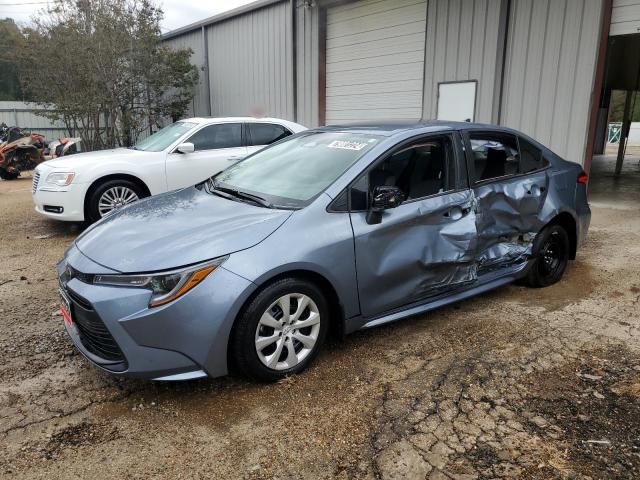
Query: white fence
[(22, 114)]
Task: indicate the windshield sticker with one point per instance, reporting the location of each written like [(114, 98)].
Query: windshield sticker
[(347, 145)]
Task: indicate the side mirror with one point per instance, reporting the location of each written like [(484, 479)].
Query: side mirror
[(383, 198), (186, 147)]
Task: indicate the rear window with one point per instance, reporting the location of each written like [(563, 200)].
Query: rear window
[(531, 158), (495, 155), (265, 133)]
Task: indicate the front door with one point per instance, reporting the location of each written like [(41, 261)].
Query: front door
[(216, 147), (510, 185), (426, 245)]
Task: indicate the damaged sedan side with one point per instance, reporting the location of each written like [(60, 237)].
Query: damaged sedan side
[(333, 229)]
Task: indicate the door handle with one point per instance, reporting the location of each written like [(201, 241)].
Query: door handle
[(234, 157)]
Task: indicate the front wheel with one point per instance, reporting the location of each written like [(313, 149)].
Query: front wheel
[(111, 195), (281, 330), (551, 253)]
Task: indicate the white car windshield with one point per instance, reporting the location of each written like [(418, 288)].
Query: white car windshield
[(164, 137), (293, 172)]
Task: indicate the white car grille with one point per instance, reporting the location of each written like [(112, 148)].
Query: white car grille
[(36, 179)]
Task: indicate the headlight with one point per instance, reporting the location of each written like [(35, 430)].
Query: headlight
[(61, 179), (166, 286)]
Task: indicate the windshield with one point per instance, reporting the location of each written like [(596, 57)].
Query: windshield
[(293, 172), (164, 137)]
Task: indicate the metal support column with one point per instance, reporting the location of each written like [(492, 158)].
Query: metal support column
[(624, 132), (205, 49)]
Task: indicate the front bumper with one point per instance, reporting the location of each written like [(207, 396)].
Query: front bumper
[(184, 339), (71, 201)]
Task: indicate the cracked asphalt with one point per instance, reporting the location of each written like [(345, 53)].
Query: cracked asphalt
[(515, 383)]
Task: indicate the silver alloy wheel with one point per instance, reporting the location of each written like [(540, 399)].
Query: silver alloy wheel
[(115, 197), (287, 331)]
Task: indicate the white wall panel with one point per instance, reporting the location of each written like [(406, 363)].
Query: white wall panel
[(463, 43), (552, 48), (250, 61)]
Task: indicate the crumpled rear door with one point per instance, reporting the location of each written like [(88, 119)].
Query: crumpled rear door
[(508, 204), (507, 219)]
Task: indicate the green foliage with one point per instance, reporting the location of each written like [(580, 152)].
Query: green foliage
[(10, 39), (100, 66), (616, 108)]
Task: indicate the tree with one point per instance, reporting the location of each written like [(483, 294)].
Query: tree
[(101, 68), (10, 42)]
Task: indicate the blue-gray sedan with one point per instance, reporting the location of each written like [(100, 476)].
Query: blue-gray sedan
[(330, 230)]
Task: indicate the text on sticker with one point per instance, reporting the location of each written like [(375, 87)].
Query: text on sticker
[(347, 145)]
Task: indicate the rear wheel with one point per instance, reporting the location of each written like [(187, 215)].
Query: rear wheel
[(6, 175), (281, 330), (551, 252), (111, 195)]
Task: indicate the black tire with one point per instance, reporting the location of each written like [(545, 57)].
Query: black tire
[(93, 212), (551, 253), (5, 175), (243, 349)]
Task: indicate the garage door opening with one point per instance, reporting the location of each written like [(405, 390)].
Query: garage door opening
[(615, 169)]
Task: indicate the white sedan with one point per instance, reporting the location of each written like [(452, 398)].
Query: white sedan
[(87, 186)]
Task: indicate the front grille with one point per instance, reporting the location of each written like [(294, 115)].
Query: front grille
[(91, 329), (36, 179)]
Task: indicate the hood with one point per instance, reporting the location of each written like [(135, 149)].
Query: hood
[(176, 229), (80, 159)]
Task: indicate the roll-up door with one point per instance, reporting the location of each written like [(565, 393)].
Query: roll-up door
[(375, 60), (625, 17)]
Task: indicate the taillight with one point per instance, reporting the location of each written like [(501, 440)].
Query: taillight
[(583, 177)]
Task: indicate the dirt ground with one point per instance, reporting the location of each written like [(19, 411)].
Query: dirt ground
[(515, 383)]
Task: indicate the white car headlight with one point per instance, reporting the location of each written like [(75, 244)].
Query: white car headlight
[(166, 286), (61, 179)]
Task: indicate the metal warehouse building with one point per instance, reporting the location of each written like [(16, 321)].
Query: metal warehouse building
[(540, 66)]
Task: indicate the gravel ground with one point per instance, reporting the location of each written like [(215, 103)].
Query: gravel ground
[(515, 383)]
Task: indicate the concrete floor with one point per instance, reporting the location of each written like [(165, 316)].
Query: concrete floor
[(621, 191)]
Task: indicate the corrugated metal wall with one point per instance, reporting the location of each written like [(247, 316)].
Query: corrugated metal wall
[(549, 72), (22, 114), (463, 43), (625, 17), (307, 63), (193, 40), (251, 63), (551, 49)]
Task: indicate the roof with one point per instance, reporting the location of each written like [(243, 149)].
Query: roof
[(220, 17), (231, 119), (293, 126), (393, 128)]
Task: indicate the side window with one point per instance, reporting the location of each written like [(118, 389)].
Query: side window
[(422, 169), (531, 158), (494, 155), (265, 133), (222, 135)]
